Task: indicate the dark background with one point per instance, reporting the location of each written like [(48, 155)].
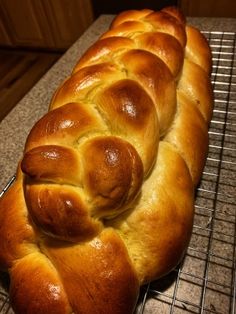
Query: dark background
[(116, 6)]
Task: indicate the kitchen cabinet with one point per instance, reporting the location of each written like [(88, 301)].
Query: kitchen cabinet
[(209, 8), (50, 24)]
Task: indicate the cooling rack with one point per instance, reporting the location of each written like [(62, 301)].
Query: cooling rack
[(205, 282)]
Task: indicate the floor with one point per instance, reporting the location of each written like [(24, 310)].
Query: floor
[(19, 71)]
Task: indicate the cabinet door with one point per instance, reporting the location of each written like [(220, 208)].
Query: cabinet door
[(67, 19), (23, 22), (53, 24), (210, 8), (4, 36)]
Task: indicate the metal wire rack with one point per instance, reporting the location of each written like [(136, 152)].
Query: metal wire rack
[(205, 282)]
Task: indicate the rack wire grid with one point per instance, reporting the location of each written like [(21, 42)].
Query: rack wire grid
[(205, 281)]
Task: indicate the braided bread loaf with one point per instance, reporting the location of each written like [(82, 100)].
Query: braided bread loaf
[(103, 200)]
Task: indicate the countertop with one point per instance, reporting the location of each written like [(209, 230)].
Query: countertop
[(206, 278), (17, 124)]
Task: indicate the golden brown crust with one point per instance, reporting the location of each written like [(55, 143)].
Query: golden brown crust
[(164, 22), (171, 10), (165, 46), (17, 235), (147, 69), (36, 288), (103, 50), (61, 213), (52, 163), (131, 15), (196, 84), (163, 206), (197, 49), (131, 112), (104, 197), (189, 124), (114, 178), (98, 275), (64, 126)]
